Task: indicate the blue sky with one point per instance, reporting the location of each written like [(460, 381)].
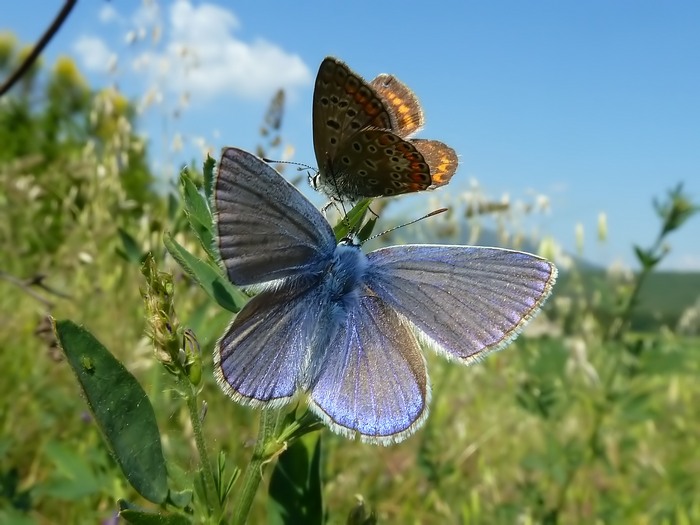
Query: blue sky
[(594, 104)]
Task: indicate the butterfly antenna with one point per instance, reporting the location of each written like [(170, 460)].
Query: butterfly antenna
[(300, 166), (431, 214)]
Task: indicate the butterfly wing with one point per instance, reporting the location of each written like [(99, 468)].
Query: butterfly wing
[(267, 230), (375, 163), (343, 104), (261, 357), (402, 104), (468, 300), (441, 158), (373, 380), (407, 119)]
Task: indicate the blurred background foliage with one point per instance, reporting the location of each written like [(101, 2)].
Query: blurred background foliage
[(592, 416)]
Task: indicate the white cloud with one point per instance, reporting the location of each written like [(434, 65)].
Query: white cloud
[(93, 53), (108, 14), (202, 55), (688, 262)]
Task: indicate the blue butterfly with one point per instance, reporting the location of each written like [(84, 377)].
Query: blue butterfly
[(343, 326)]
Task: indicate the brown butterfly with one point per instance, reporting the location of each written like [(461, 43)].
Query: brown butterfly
[(362, 137)]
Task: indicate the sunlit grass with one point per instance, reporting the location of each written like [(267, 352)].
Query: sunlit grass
[(503, 436)]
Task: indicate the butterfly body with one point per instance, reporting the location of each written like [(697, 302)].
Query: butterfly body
[(344, 327), (361, 137)]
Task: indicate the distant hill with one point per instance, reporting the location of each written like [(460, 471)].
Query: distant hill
[(662, 299), (665, 296), (434, 231)]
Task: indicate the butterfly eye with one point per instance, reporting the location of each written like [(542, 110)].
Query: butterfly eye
[(348, 241), (313, 181)]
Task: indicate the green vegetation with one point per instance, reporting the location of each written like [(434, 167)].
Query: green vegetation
[(591, 416)]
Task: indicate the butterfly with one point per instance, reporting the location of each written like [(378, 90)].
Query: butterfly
[(345, 327), (362, 137)]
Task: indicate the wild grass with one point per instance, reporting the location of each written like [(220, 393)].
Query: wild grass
[(592, 416)]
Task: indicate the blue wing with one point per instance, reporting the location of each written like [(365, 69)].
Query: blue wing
[(468, 300), (373, 378), (262, 356), (267, 230)]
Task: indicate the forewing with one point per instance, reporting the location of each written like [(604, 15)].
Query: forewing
[(266, 229), (262, 356), (468, 300), (343, 104), (441, 158), (373, 380), (402, 104)]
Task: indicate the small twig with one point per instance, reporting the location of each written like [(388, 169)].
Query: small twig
[(39, 281), (26, 287), (39, 47)]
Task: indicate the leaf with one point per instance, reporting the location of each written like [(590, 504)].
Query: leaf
[(181, 498), (208, 173), (359, 515), (121, 410), (352, 221), (16, 517), (223, 483), (657, 362), (636, 405), (295, 485), (211, 280), (367, 230), (133, 514), (646, 258), (11, 493), (173, 208), (540, 389), (198, 213), (130, 250), (73, 479)]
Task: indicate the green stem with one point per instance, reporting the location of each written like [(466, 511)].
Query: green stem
[(601, 409), (616, 334), (253, 474), (212, 495)]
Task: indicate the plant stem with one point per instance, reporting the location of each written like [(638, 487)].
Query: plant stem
[(212, 495), (253, 474), (601, 409), (39, 47)]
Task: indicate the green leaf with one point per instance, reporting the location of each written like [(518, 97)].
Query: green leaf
[(295, 485), (209, 278), (366, 231), (636, 405), (147, 518), (656, 362), (137, 516), (173, 208), (121, 410), (352, 222), (180, 499), (16, 517), (198, 213), (208, 173), (360, 516), (74, 477), (646, 258), (130, 250), (224, 484), (540, 389), (676, 209), (11, 493)]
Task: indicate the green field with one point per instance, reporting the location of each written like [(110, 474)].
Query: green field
[(592, 416)]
